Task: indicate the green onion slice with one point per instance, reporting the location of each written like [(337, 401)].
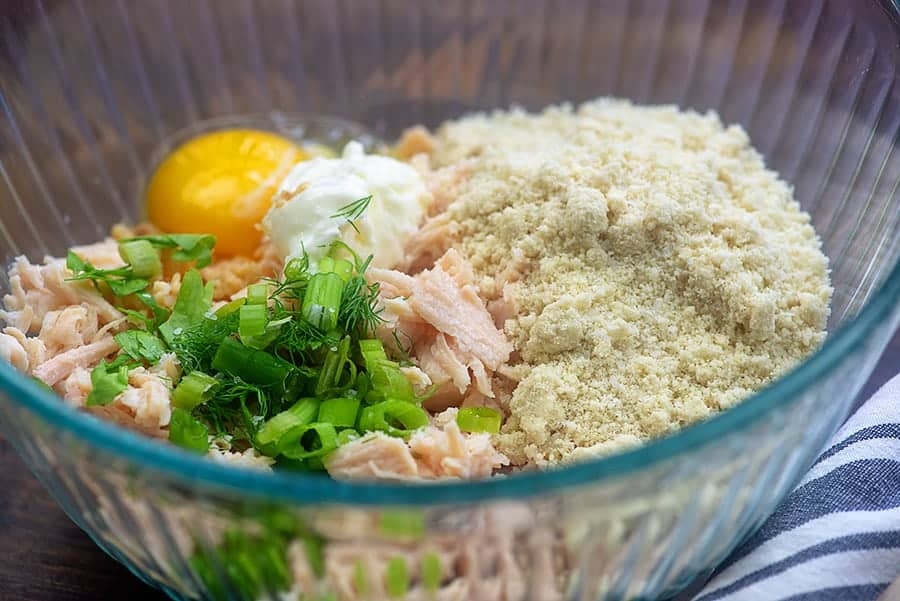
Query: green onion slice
[(432, 574), (347, 435), (257, 294), (340, 412), (229, 308), (388, 382), (297, 269), (142, 256), (322, 300), (479, 419), (360, 579), (337, 362), (372, 350), (194, 389), (188, 432), (300, 414), (309, 441), (397, 578), (393, 417), (343, 268), (252, 320), (251, 365)]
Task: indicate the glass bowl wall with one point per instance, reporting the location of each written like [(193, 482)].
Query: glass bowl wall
[(88, 91)]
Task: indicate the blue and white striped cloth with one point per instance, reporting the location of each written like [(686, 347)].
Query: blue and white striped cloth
[(836, 537)]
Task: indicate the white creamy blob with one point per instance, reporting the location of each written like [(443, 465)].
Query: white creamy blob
[(303, 213)]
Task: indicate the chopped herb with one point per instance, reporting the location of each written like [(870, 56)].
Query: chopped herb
[(107, 382), (254, 565), (188, 432), (186, 247), (479, 419), (353, 211), (141, 345), (193, 303)]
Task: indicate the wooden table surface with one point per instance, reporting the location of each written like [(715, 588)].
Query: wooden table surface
[(45, 557)]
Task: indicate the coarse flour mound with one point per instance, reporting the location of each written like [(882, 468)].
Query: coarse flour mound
[(658, 271)]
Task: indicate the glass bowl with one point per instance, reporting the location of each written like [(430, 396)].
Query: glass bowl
[(89, 91)]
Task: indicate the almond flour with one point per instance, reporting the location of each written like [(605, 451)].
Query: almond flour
[(665, 273)]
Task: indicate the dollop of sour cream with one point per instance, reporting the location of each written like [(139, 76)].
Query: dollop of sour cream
[(305, 212)]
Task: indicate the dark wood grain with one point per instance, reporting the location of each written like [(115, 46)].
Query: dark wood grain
[(45, 557)]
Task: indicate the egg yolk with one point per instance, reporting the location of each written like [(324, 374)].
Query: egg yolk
[(221, 183)]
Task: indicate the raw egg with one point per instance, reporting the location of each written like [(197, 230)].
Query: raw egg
[(221, 183)]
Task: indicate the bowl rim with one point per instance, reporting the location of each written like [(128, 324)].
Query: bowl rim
[(193, 471), (305, 489)]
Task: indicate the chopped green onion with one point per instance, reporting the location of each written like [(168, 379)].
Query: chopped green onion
[(432, 574), (397, 577), (340, 412), (251, 365), (301, 413), (322, 300), (372, 350), (386, 379), (257, 294), (106, 384), (360, 579), (252, 320), (479, 419), (343, 268), (326, 265), (407, 524), (229, 308), (143, 258), (333, 369), (388, 382), (314, 554), (346, 435), (188, 432), (297, 269), (194, 389), (186, 247), (393, 417), (309, 441), (362, 386)]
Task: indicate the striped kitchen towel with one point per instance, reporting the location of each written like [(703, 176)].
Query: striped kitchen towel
[(836, 537)]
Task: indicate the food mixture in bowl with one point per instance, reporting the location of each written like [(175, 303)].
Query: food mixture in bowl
[(513, 290)]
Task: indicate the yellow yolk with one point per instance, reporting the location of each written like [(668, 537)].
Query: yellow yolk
[(222, 184)]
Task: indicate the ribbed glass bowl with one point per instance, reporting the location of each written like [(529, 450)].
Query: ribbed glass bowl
[(91, 89)]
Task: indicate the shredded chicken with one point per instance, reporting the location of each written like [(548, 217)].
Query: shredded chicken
[(68, 328), (35, 290), (12, 352), (236, 273), (143, 406), (483, 559), (249, 458), (61, 366), (451, 332), (34, 347), (437, 451)]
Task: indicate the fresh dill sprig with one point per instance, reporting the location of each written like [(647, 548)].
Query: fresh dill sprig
[(359, 314), (232, 409), (196, 345), (353, 211)]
